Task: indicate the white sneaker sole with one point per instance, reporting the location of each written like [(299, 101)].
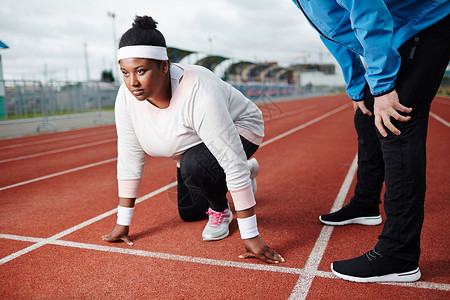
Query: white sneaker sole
[(410, 276), (216, 238), (376, 220)]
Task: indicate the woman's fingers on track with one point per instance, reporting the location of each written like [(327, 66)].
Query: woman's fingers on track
[(256, 247), (107, 238), (276, 257), (269, 256), (272, 257), (247, 254), (126, 239)]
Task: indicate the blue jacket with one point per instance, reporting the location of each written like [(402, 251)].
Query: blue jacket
[(373, 29)]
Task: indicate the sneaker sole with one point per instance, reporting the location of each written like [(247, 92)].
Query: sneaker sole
[(216, 238), (410, 276), (361, 220)]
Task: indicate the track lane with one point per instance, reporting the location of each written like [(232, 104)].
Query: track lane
[(26, 148), (34, 167)]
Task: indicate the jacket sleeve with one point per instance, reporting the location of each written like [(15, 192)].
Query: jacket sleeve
[(351, 66), (373, 26)]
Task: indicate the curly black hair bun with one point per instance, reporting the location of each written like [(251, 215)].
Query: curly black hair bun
[(144, 22), (143, 32)]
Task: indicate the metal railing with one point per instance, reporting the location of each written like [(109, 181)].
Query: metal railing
[(24, 100)]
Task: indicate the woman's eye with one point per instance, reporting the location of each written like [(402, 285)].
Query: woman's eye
[(140, 72), (125, 73)]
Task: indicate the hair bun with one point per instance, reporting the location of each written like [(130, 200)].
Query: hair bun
[(143, 32), (144, 22)]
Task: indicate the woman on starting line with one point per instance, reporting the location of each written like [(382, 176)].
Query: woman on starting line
[(207, 126)]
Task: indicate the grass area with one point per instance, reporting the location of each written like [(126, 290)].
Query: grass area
[(39, 114), (444, 91)]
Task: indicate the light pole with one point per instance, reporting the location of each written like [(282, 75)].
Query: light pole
[(113, 17), (2, 85), (86, 61), (211, 39)]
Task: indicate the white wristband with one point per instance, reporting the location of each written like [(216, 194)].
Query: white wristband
[(124, 215), (248, 227)]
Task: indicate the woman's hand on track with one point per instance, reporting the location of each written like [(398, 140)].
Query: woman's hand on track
[(120, 232), (256, 247)]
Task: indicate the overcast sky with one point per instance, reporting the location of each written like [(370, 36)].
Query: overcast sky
[(47, 38)]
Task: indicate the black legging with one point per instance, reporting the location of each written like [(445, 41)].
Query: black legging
[(201, 182)]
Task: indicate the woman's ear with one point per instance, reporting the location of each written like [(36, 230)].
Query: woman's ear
[(165, 66)]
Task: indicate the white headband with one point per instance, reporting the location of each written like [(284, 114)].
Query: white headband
[(152, 52)]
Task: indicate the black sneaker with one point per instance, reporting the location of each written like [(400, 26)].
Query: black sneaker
[(352, 214), (376, 267)]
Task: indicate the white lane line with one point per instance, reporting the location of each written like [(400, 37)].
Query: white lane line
[(439, 119), (20, 238), (303, 284), (315, 120), (175, 257), (213, 262), (58, 150), (441, 100), (53, 238), (291, 112), (58, 174), (57, 139), (160, 255)]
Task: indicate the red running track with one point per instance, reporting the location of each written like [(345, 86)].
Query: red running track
[(58, 197)]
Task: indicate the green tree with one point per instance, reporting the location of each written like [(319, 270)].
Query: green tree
[(107, 76)]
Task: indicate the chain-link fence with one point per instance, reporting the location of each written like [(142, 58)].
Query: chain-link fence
[(32, 99)]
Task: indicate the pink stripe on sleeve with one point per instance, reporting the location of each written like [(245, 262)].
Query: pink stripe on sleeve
[(129, 188), (243, 198), (250, 136)]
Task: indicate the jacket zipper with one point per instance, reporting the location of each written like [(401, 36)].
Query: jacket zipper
[(315, 27)]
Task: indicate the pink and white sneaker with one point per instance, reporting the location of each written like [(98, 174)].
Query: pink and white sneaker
[(217, 226)]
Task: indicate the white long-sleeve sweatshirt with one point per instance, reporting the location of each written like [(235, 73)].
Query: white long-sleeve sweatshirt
[(203, 108)]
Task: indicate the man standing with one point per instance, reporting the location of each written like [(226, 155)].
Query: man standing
[(406, 47)]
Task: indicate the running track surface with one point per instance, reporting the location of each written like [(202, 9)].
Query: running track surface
[(58, 197)]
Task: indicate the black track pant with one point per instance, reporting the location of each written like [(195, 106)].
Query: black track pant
[(402, 159), (201, 182)]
